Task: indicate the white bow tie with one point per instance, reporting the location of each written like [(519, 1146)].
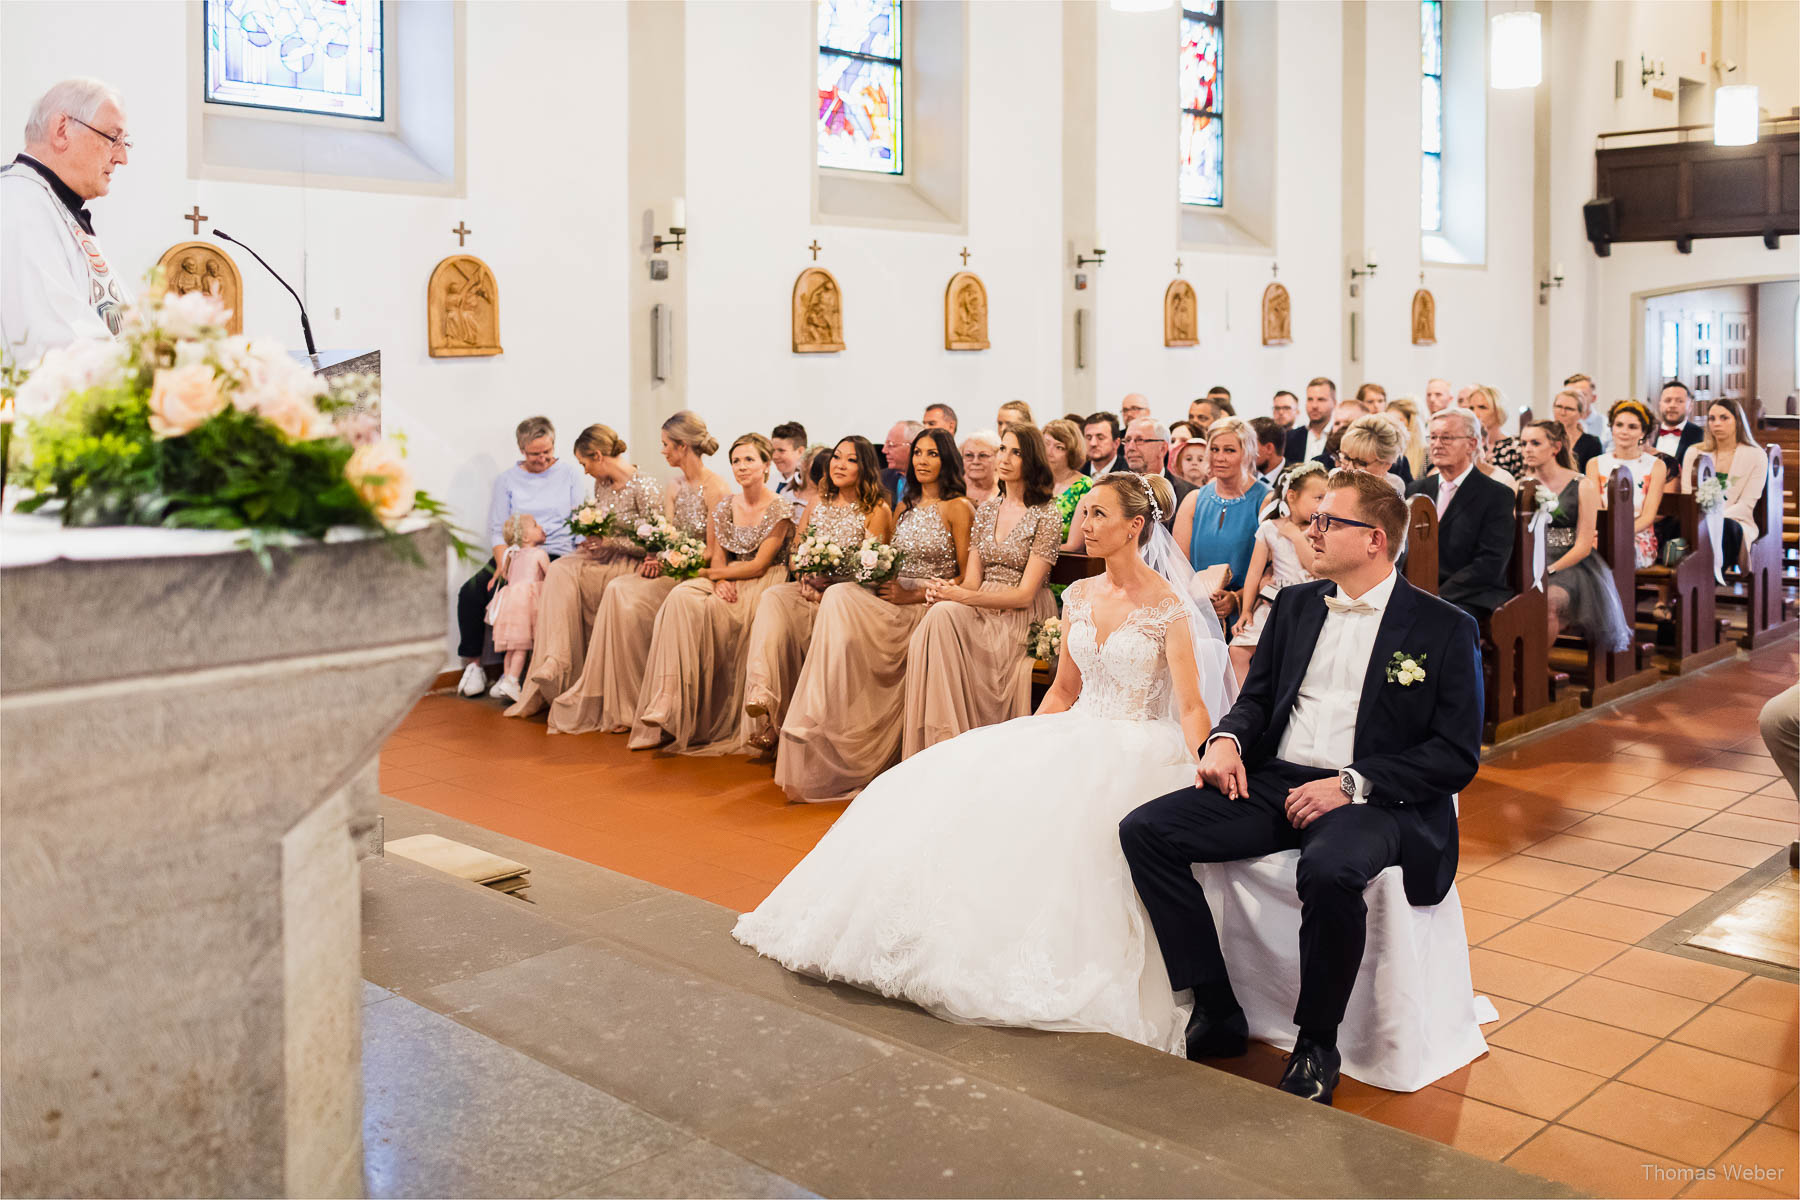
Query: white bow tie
[(1336, 605)]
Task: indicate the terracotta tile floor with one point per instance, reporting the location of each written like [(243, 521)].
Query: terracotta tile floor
[(1619, 1070)]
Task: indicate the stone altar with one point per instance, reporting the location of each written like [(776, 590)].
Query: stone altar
[(188, 746)]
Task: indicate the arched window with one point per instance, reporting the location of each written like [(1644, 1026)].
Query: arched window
[(1203, 102), (860, 103), (1431, 116)]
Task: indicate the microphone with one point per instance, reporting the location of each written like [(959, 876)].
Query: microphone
[(305, 325)]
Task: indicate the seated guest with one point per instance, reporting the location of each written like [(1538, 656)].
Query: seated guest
[(941, 416), (1437, 396), (1579, 584), (546, 489), (1105, 455), (978, 451), (1404, 410), (1190, 463), (1630, 426), (813, 462), (1595, 421), (1065, 451), (1678, 430), (605, 695), (894, 451), (1373, 444), (1485, 464), (1284, 410), (1133, 407), (851, 508), (1147, 453), (966, 664), (572, 591), (1209, 408), (1475, 517), (1216, 524), (1283, 555), (1324, 752), (1271, 448), (1743, 469), (1011, 411), (1180, 434), (1569, 409), (1503, 451), (1306, 443), (843, 727), (1373, 398), (787, 449), (692, 698)]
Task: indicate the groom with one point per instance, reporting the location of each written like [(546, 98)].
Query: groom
[(1335, 748)]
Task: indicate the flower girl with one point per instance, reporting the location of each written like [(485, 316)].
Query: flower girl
[(1282, 556), (512, 613)]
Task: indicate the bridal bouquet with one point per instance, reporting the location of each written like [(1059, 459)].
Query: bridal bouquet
[(587, 521), (178, 424), (656, 535), (684, 559), (1043, 641), (876, 562), (1711, 492), (818, 556)]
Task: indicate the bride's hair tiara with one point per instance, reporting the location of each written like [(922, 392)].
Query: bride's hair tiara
[(1156, 513)]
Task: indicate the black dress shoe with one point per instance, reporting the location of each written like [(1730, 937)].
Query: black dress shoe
[(1210, 1036), (1312, 1072)]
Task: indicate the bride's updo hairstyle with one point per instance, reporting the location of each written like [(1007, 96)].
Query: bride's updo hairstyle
[(1134, 501)]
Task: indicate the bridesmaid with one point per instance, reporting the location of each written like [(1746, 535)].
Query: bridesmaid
[(966, 665), (693, 682), (606, 694), (843, 727), (850, 508), (573, 589)]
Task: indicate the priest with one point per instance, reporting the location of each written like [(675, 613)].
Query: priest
[(57, 285)]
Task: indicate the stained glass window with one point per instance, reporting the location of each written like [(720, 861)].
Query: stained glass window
[(1203, 102), (860, 126), (1431, 115), (306, 56)]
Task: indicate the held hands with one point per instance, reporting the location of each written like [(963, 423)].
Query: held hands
[(1222, 602), (1310, 801), (810, 590), (726, 590), (943, 590), (893, 593), (652, 567), (1223, 768)]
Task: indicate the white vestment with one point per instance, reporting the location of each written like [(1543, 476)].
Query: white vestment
[(55, 284)]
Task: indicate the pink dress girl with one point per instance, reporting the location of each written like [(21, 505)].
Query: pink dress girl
[(512, 613)]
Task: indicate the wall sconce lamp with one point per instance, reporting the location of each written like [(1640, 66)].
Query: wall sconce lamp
[(1648, 69), (1554, 281), (677, 226), (1099, 258), (1368, 269)]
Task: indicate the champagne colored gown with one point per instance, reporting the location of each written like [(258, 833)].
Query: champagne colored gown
[(693, 693), (784, 627), (967, 666), (843, 726), (606, 694), (573, 590)]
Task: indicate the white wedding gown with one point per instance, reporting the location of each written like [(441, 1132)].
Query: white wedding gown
[(982, 879)]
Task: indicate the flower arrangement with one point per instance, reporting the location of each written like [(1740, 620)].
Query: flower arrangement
[(819, 556), (178, 424), (1406, 669), (876, 562), (1547, 503), (588, 521), (1043, 641), (657, 535), (684, 559), (1711, 492)]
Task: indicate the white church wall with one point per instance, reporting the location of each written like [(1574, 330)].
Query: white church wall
[(545, 201), (750, 154), (1778, 331)]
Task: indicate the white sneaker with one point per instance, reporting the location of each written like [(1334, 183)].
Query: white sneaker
[(474, 681), (506, 689)]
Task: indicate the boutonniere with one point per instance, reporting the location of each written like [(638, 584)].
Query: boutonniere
[(1405, 669)]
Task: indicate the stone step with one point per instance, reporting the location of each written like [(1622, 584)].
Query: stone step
[(641, 995)]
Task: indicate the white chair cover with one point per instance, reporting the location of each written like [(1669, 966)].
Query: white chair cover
[(1414, 1016)]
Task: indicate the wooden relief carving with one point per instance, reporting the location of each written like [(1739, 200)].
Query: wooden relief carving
[(1424, 319), (965, 313), (1277, 324), (818, 313), (462, 306), (203, 267), (1181, 315)]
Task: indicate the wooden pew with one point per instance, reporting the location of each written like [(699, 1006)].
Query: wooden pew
[(1698, 632), (1421, 563), (1609, 674), (1768, 615), (1517, 656)]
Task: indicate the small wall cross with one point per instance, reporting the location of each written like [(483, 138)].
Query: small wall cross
[(461, 231), (196, 217), (965, 256), (815, 248), (1178, 266), (1274, 270)]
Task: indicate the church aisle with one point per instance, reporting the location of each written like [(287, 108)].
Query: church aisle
[(1618, 1066)]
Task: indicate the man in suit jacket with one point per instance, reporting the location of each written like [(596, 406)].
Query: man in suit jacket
[(1105, 454), (1307, 442), (1678, 430), (1475, 517), (1335, 746)]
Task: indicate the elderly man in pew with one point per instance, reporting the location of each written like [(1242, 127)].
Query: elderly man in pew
[(1475, 516), (1359, 722)]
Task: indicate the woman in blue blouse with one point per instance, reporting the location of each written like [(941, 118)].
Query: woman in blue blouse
[(1216, 525)]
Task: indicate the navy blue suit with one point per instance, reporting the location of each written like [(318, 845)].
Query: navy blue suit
[(1416, 745)]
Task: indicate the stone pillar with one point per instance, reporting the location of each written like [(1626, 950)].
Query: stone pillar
[(184, 745)]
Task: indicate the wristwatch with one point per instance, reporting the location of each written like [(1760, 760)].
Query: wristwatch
[(1347, 784)]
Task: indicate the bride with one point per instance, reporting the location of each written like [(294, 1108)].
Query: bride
[(982, 879)]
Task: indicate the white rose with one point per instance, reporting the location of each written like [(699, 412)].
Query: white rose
[(646, 529), (870, 558), (587, 516), (185, 316), (66, 370), (1408, 665)]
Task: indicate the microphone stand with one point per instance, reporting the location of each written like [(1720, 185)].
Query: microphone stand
[(312, 351)]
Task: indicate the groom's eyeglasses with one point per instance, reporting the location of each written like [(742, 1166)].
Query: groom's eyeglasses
[(1325, 522)]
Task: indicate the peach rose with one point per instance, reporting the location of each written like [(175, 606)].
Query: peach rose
[(183, 398), (379, 475), (299, 420)]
